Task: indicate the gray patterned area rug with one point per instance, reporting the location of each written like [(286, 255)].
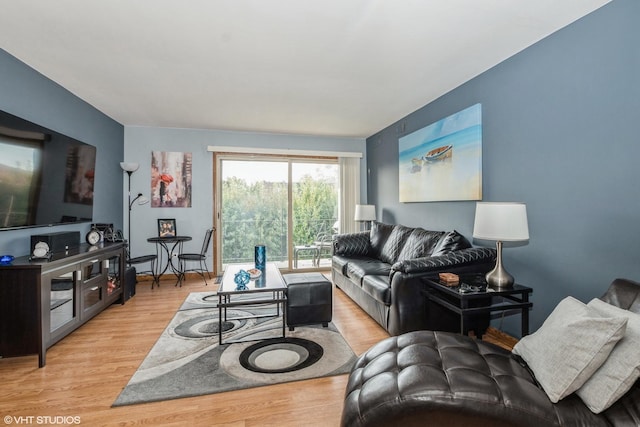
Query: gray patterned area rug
[(187, 360)]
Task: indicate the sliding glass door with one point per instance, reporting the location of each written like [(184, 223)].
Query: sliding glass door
[(290, 205), (315, 189), (253, 210)]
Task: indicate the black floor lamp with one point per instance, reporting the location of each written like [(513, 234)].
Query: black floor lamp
[(130, 168)]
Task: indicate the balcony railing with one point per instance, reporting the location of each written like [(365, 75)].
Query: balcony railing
[(240, 237)]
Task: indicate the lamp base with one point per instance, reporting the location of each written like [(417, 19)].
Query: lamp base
[(499, 278)]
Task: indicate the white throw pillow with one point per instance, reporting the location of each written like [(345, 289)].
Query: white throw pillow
[(572, 343), (621, 370)]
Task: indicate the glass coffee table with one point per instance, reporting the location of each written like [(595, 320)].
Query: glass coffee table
[(270, 285)]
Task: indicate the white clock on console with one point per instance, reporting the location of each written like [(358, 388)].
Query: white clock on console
[(93, 236)]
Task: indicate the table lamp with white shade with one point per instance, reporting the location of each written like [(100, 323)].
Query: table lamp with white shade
[(365, 213), (500, 222)]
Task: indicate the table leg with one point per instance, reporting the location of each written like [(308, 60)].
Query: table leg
[(219, 319), (284, 314), (173, 249), (464, 304), (179, 274), (162, 266), (177, 270), (525, 315)]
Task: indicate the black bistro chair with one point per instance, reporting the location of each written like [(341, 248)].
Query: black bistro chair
[(200, 258), (143, 259)]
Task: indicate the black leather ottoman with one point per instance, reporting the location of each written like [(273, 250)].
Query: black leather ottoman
[(309, 299)]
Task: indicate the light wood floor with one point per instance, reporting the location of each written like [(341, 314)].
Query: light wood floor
[(87, 370)]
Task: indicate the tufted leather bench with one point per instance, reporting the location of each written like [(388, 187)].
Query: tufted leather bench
[(432, 378), (403, 378)]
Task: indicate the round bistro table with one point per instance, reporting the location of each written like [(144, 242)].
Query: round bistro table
[(168, 246)]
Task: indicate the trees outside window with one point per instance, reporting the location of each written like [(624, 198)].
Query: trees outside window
[(260, 197)]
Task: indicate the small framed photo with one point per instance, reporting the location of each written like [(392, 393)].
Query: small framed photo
[(167, 227)]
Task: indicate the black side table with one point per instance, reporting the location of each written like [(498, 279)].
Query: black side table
[(472, 296)]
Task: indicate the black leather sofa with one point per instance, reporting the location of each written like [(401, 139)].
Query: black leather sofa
[(431, 378), (382, 271)]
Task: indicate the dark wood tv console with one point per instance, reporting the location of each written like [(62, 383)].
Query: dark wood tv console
[(41, 302)]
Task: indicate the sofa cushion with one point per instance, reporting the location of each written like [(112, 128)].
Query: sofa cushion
[(451, 241), (572, 343), (394, 244), (351, 244), (340, 263), (378, 287), (378, 236), (358, 268), (420, 243), (621, 369)]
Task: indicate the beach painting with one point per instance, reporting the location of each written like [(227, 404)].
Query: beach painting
[(443, 161)]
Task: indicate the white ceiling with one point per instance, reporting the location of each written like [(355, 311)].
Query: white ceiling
[(330, 67)]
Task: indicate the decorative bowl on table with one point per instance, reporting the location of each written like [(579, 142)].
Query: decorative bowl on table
[(254, 273), (6, 259)]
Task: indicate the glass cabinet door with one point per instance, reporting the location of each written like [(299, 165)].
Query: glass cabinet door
[(63, 300), (93, 273), (114, 281)]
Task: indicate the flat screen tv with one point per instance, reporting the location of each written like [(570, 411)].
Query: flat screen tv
[(46, 178)]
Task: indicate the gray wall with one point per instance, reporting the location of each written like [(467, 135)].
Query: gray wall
[(560, 133), (27, 94), (141, 141)]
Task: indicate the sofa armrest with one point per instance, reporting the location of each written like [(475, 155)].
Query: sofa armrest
[(452, 260), (623, 293), (352, 244), (407, 308)]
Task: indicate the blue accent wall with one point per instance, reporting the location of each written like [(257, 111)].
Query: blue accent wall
[(560, 133), (27, 94)]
